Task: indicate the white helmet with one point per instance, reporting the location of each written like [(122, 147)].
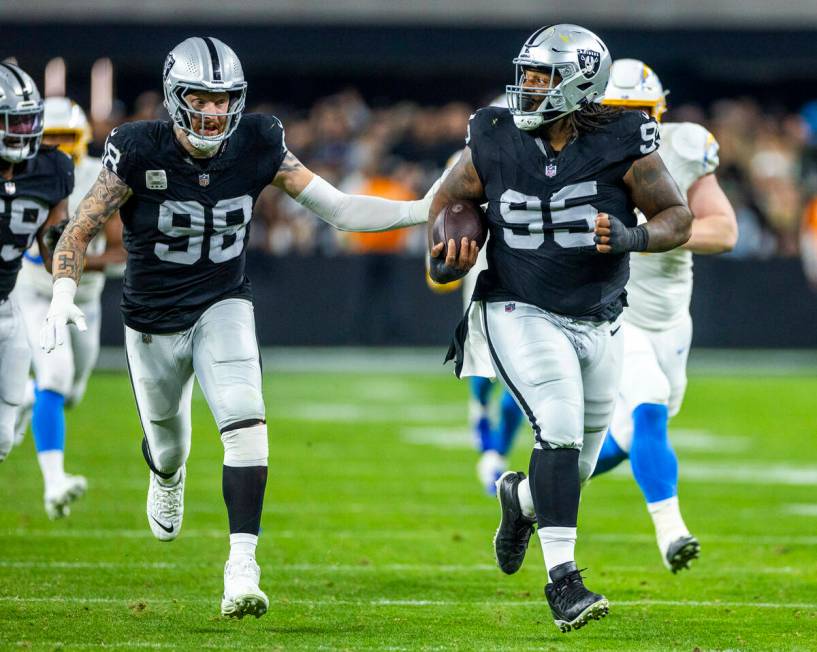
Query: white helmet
[(21, 114), (579, 58), (633, 83), (64, 117), (203, 64)]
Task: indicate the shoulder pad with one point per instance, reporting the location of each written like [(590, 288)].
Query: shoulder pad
[(693, 143), (485, 119)]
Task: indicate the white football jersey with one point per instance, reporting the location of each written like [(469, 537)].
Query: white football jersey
[(660, 286), (34, 275)]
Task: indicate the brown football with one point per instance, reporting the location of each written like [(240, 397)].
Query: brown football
[(460, 219)]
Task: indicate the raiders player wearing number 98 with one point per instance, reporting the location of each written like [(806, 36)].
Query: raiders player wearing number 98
[(34, 186), (185, 190), (561, 176)]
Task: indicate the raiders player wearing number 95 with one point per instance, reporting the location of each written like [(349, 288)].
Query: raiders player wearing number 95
[(561, 176), (35, 183), (185, 190)]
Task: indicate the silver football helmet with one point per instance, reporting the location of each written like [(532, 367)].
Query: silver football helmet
[(203, 64), (21, 115), (578, 63)]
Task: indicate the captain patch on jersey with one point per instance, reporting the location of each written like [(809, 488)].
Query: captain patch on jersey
[(187, 223)]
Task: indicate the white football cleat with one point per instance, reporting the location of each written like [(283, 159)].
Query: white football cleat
[(165, 507), (490, 467), (60, 495), (241, 593)]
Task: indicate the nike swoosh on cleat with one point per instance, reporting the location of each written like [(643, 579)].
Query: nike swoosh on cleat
[(613, 332), (169, 530)]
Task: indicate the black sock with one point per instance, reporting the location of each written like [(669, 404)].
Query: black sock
[(555, 486), (243, 488)]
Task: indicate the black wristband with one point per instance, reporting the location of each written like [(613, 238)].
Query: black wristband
[(640, 238)]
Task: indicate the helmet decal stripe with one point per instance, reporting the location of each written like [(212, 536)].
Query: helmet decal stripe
[(216, 62), (20, 80)]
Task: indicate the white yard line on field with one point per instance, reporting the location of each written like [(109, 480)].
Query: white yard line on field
[(389, 602), (407, 534)]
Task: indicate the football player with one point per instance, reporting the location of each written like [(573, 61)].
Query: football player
[(561, 175), (657, 328), (34, 187), (62, 376), (185, 190)]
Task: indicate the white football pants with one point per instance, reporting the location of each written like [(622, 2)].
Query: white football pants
[(15, 359), (221, 350), (563, 373), (654, 371), (66, 369)]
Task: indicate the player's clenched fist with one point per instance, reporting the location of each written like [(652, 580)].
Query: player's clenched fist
[(612, 237)]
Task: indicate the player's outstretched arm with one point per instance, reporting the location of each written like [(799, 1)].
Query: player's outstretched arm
[(343, 211), (714, 227), (104, 198), (461, 183)]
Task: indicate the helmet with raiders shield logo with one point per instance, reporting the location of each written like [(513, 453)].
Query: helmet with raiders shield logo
[(634, 84), (578, 64), (21, 114), (209, 65)]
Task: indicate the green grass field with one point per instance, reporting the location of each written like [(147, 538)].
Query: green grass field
[(376, 534)]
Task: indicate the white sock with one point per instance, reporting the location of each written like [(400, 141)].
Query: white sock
[(558, 545), (51, 465), (172, 481), (669, 526), (525, 498), (243, 545)]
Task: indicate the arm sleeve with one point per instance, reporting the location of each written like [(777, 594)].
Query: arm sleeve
[(121, 154), (360, 212)]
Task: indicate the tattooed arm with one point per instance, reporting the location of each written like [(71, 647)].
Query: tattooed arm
[(104, 198), (462, 182), (343, 211)]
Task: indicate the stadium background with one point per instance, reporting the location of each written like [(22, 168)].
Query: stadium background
[(375, 96), (376, 534)]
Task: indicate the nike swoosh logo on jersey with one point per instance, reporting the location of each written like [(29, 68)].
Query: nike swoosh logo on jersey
[(614, 331), (169, 530)]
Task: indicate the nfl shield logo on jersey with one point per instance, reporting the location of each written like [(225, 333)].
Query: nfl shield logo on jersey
[(11, 187), (589, 61), (204, 179), (510, 307), (550, 169)]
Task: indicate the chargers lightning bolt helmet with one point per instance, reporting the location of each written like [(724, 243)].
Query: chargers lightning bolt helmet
[(203, 64), (578, 63), (633, 83), (21, 115), (64, 117)]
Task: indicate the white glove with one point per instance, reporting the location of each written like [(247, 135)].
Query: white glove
[(61, 312)]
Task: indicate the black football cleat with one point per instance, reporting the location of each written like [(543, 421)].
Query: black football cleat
[(681, 552), (571, 604), (513, 534)]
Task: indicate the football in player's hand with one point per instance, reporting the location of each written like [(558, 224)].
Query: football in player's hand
[(458, 220)]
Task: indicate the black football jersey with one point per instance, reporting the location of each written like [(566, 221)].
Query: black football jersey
[(186, 225), (542, 207), (37, 185)]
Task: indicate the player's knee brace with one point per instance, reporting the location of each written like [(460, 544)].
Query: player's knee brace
[(245, 446)]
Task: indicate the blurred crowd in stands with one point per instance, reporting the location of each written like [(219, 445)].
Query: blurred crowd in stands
[(768, 168)]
